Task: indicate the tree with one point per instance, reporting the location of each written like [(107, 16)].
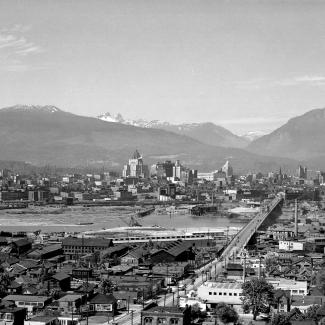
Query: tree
[(106, 286), (197, 312), (311, 314), (279, 319), (55, 293), (226, 313), (257, 294), (320, 280), (4, 282)]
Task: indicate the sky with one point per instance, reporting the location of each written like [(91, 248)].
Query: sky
[(244, 65)]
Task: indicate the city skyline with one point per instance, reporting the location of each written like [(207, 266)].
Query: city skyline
[(244, 65)]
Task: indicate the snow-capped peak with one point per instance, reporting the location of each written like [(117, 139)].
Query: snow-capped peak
[(253, 135), (46, 108)]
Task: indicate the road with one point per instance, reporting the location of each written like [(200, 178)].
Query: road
[(235, 247)]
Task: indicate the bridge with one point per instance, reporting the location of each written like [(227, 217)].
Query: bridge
[(245, 234), (215, 267)]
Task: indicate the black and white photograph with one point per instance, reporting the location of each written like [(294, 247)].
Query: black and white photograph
[(162, 162)]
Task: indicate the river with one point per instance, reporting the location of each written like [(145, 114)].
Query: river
[(65, 220)]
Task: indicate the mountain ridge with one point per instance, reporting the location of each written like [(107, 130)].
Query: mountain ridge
[(66, 139), (302, 137), (206, 132)]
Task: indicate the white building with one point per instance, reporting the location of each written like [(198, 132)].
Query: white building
[(295, 287), (216, 292), (288, 245)]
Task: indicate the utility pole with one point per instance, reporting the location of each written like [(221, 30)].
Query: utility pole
[(244, 269)]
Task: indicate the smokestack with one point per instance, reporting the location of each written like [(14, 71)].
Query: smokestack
[(296, 218)]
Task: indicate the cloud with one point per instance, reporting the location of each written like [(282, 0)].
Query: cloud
[(14, 48), (18, 29), (259, 83), (29, 50), (20, 45)]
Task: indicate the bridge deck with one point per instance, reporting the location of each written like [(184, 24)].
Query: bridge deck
[(244, 235)]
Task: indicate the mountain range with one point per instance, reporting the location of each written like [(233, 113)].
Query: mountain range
[(302, 137), (206, 132), (47, 135)]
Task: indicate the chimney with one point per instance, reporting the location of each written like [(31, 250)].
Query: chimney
[(296, 218)]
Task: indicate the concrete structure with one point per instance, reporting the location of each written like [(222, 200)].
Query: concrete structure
[(216, 292)]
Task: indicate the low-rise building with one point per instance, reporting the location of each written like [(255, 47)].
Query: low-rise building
[(12, 315), (73, 247), (217, 292), (166, 315), (33, 303)]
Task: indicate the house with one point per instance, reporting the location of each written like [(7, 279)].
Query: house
[(33, 303), (281, 301), (30, 290), (166, 315), (70, 303), (12, 315), (58, 281), (42, 320), (21, 246), (82, 273), (103, 304), (14, 287), (134, 257)]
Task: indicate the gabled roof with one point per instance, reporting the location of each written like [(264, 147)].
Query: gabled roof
[(24, 279), (15, 285), (103, 299), (314, 291), (60, 276), (21, 242), (32, 290), (137, 253), (282, 293)]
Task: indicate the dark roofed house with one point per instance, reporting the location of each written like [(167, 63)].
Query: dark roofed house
[(21, 245), (103, 304), (281, 301), (58, 281)]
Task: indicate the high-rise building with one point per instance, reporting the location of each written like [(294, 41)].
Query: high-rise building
[(301, 172), (136, 168), (227, 169)]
